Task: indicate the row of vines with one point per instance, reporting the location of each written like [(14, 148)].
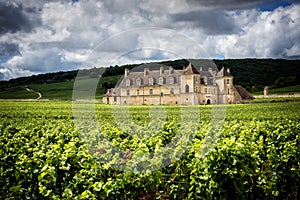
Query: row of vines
[(45, 154)]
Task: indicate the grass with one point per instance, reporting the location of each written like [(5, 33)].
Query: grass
[(64, 90), (61, 90), (272, 100), (17, 92), (285, 90)]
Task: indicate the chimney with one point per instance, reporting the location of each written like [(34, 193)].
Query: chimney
[(146, 70), (210, 70), (228, 70), (126, 72), (161, 70), (171, 70)]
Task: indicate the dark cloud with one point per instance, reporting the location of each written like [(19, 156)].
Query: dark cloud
[(229, 4), (268, 5), (54, 35), (14, 18), (211, 22)]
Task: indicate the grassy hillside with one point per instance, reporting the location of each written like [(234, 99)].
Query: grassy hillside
[(60, 90), (253, 74)]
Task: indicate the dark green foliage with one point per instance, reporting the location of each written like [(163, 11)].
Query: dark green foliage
[(44, 156), (255, 74)]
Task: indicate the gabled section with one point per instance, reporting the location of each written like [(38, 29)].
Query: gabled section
[(190, 70), (224, 72)]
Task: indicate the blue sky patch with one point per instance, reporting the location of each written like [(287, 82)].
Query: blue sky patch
[(272, 5)]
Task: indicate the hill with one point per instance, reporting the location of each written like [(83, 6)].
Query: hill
[(253, 74)]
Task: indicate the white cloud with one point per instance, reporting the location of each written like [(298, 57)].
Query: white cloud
[(78, 56), (270, 34), (68, 34)]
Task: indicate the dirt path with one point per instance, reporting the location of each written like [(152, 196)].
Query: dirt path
[(38, 93)]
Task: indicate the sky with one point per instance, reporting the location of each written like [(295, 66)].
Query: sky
[(40, 36)]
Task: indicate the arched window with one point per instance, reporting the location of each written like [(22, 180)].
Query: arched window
[(187, 88), (228, 91), (161, 81), (138, 82), (205, 80), (128, 82), (214, 81), (171, 80), (151, 81)]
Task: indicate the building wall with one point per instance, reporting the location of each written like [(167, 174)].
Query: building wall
[(187, 90)]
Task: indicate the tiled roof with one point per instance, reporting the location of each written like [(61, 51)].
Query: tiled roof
[(223, 72), (190, 70), (243, 92), (113, 92), (154, 74)]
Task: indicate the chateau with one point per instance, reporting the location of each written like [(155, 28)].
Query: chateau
[(166, 85)]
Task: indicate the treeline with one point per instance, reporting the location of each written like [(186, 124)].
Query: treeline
[(40, 79), (253, 74)]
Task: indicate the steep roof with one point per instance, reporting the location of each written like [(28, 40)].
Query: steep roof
[(112, 92), (224, 72), (190, 70), (154, 74), (243, 92)]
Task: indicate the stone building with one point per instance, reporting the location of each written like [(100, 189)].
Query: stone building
[(188, 86)]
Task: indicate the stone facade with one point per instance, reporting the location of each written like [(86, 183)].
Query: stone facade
[(169, 86)]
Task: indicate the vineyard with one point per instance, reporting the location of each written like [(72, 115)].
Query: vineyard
[(141, 152)]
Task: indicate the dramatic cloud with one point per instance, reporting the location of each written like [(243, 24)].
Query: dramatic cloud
[(46, 36), (13, 18), (272, 34), (210, 22)]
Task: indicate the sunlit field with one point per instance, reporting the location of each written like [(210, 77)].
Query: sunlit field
[(247, 151)]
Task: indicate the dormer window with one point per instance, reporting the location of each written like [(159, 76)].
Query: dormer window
[(161, 81), (138, 82), (128, 82), (151, 81), (171, 80)]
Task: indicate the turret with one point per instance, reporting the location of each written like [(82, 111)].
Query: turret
[(126, 72)]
